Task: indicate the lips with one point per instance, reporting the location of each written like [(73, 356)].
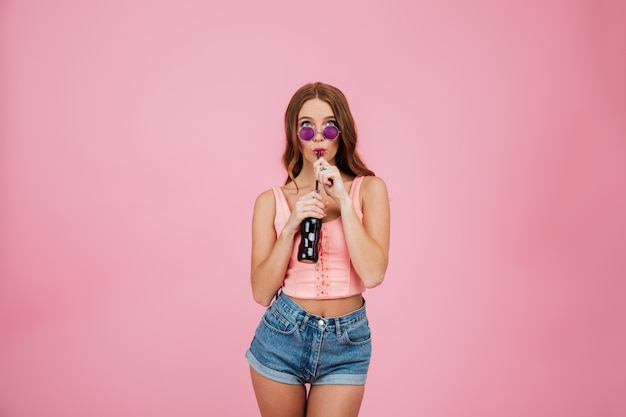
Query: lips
[(321, 151)]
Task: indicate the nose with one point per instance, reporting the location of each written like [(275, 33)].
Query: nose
[(319, 136)]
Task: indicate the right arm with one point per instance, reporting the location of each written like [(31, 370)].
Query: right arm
[(271, 253)]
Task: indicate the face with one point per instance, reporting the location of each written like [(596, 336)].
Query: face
[(318, 115)]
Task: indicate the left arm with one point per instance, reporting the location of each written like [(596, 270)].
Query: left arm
[(368, 242)]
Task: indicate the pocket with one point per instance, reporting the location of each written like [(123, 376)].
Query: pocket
[(357, 333), (277, 322)]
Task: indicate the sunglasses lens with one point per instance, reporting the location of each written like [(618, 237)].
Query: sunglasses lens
[(306, 133), (331, 132)]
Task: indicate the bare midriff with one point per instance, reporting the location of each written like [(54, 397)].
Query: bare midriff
[(331, 308)]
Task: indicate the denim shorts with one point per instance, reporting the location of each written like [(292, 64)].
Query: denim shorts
[(293, 346)]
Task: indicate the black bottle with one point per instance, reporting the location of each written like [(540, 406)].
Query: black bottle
[(310, 229)]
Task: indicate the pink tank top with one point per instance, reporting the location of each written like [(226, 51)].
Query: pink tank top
[(333, 275)]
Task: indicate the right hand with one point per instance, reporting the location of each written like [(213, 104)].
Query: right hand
[(310, 204)]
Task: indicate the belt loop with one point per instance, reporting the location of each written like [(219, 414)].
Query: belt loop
[(337, 327), (305, 320)]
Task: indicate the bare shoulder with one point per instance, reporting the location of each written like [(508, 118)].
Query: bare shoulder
[(265, 203), (373, 187), (374, 195)]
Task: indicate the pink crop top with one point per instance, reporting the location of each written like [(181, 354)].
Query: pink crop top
[(333, 275)]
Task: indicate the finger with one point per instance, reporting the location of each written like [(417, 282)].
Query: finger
[(313, 212), (310, 205), (320, 161), (329, 179), (321, 165), (314, 197), (309, 196), (326, 173)]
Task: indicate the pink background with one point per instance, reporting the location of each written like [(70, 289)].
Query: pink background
[(135, 136)]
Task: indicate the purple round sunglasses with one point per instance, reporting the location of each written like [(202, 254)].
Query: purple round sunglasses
[(329, 132)]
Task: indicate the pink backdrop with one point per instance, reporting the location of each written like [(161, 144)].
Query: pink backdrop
[(135, 136)]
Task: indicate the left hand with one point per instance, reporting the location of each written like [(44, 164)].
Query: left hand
[(329, 177)]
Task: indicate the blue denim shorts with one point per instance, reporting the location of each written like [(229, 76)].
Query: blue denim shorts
[(293, 346)]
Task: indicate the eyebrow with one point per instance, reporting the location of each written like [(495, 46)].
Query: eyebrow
[(309, 118)]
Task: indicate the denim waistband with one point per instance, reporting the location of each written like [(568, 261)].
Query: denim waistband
[(304, 318)]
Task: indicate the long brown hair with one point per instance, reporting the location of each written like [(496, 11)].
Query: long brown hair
[(347, 158)]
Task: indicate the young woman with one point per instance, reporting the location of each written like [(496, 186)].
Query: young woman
[(315, 330)]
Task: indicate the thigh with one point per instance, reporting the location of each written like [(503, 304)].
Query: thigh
[(276, 399), (335, 400)]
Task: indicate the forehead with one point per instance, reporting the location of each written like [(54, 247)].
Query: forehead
[(315, 108)]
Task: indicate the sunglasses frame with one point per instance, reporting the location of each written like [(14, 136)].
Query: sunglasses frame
[(315, 132)]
